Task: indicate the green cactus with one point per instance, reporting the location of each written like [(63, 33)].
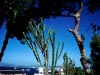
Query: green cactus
[(55, 55), (68, 65), (36, 38), (33, 49), (36, 34), (65, 58)]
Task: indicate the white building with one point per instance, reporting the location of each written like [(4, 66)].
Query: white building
[(40, 69)]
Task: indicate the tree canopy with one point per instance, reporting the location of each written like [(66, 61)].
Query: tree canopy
[(93, 5), (17, 14), (95, 53)]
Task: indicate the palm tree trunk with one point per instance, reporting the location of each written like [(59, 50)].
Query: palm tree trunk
[(4, 45)]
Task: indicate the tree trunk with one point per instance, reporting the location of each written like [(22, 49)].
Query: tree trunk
[(83, 54), (4, 45), (80, 40)]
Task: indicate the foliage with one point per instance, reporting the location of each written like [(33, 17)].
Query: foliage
[(94, 27), (93, 5), (65, 58), (17, 14), (68, 65), (79, 71), (95, 53)]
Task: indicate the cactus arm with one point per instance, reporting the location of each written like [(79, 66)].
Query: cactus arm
[(57, 54), (61, 50), (34, 50), (52, 41)]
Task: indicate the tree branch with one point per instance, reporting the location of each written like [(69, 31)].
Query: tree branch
[(79, 39)]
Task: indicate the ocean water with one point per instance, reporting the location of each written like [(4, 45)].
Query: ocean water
[(17, 70), (30, 70)]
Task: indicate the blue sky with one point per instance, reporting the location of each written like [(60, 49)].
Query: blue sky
[(19, 54)]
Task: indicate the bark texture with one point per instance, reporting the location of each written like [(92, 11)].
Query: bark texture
[(80, 41)]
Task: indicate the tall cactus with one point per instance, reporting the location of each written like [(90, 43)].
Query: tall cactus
[(29, 42), (68, 65), (37, 32), (65, 58), (55, 55)]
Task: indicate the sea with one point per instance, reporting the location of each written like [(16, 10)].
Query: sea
[(17, 69)]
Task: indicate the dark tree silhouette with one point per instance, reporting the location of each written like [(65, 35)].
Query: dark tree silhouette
[(95, 53), (92, 5), (17, 14), (94, 27), (78, 71)]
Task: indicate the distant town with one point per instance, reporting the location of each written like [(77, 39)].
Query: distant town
[(24, 70)]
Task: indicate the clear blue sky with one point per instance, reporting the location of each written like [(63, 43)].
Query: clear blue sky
[(19, 54)]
